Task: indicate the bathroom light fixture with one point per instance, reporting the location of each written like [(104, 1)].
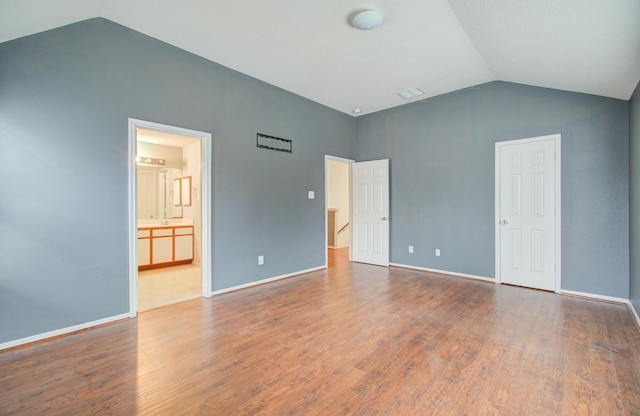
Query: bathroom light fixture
[(411, 93), (149, 161), (367, 19)]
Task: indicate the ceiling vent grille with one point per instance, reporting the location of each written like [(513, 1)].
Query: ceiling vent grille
[(411, 93)]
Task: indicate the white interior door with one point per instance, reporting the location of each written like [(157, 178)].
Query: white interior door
[(370, 212), (526, 220)]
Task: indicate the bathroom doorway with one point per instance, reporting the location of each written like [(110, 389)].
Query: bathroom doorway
[(169, 214)]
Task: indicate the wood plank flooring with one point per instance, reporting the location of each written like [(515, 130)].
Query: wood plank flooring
[(351, 340)]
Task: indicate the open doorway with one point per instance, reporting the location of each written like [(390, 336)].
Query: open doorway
[(338, 207), (169, 213), (169, 210)]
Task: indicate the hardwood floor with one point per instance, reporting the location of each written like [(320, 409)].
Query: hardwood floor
[(354, 339)]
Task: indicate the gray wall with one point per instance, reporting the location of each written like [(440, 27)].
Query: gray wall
[(65, 98), (66, 95), (441, 153), (634, 206)]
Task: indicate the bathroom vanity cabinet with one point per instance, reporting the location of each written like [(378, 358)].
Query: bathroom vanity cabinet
[(162, 246)]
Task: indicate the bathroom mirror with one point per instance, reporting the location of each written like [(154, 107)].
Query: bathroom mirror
[(156, 193)]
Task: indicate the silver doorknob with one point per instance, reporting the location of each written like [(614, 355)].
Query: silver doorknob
[(384, 218)]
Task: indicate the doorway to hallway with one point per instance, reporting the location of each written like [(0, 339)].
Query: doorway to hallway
[(338, 204)]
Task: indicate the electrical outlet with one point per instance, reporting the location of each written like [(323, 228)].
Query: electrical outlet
[(438, 252), (411, 249), (260, 260)]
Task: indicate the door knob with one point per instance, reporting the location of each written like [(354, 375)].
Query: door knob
[(384, 218), (505, 222)]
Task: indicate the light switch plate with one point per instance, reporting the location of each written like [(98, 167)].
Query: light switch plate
[(312, 194)]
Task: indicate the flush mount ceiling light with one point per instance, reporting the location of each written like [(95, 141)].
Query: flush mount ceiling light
[(366, 19), (411, 93)]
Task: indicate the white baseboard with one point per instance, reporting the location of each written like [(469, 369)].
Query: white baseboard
[(63, 331), (424, 269), (594, 296), (633, 311), (263, 281)]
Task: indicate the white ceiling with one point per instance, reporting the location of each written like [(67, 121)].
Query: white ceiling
[(309, 48)]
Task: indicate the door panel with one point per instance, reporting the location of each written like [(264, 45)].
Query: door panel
[(527, 218), (370, 185)]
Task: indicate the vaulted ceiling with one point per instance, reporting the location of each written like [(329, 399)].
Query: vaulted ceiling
[(310, 49)]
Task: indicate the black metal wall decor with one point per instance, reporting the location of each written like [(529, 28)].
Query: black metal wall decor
[(273, 143)]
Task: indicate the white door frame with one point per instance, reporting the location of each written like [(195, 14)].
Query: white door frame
[(327, 158), (205, 258), (558, 203)]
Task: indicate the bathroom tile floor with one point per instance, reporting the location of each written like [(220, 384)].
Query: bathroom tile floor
[(159, 287)]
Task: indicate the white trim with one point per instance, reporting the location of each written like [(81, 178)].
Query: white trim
[(133, 220), (634, 313), (558, 156), (425, 269), (206, 216), (557, 140), (327, 158), (263, 281), (205, 200), (62, 331), (594, 296)]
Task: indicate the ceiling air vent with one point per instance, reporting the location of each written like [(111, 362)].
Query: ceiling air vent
[(411, 93)]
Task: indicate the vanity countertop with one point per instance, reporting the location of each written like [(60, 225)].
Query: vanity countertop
[(150, 224)]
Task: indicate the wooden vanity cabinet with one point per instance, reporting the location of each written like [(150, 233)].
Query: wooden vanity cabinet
[(164, 246), (183, 244), (144, 247)]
